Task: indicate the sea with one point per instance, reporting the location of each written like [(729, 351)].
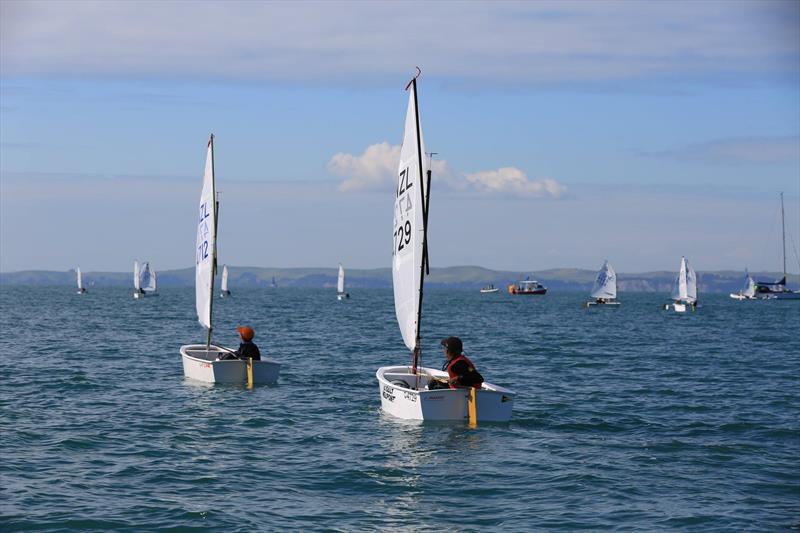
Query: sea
[(629, 419)]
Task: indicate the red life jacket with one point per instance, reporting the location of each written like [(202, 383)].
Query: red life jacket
[(472, 368)]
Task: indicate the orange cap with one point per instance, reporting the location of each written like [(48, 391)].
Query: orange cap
[(246, 332)]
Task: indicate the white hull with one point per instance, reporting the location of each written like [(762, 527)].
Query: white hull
[(489, 291), (737, 296), (678, 307), (137, 295), (203, 365), (494, 403), (594, 303)]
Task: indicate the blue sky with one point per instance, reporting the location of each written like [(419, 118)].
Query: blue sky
[(566, 133)]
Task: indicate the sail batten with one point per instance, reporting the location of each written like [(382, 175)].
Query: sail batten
[(409, 227), (206, 241)]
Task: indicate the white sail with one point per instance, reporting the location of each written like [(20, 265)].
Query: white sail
[(136, 282), (147, 278), (408, 227), (605, 286), (80, 278), (679, 290), (206, 240), (155, 279), (691, 284), (224, 287), (749, 289), (340, 281)]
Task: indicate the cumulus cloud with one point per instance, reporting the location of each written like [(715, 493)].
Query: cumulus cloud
[(376, 169), (373, 169), (513, 181)]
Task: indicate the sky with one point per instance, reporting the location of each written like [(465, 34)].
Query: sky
[(565, 133)]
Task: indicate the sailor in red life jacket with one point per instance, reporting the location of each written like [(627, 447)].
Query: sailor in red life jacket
[(461, 371)]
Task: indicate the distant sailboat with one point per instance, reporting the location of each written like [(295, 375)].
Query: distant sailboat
[(748, 290), (684, 292), (81, 288), (404, 390), (273, 284), (604, 291), (340, 292), (777, 290), (202, 361), (148, 281), (137, 282), (224, 289)]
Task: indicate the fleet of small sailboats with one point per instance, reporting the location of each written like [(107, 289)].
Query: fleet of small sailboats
[(341, 294), (203, 362), (223, 290), (604, 291), (404, 390), (684, 292)]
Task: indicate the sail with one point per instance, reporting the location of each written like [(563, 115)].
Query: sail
[(691, 284), (340, 281), (224, 278), (749, 288), (80, 278), (408, 227), (605, 286), (147, 278), (155, 278), (206, 240), (679, 289), (136, 284)]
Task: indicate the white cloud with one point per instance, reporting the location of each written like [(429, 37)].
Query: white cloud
[(376, 168), (365, 42), (513, 181)]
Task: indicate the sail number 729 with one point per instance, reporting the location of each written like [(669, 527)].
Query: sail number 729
[(402, 235)]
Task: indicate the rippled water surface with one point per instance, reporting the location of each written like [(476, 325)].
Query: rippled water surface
[(629, 418)]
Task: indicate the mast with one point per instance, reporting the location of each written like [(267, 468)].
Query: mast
[(213, 244), (783, 238), (417, 347)]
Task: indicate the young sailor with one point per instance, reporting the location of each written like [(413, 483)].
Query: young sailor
[(247, 348), (460, 370)]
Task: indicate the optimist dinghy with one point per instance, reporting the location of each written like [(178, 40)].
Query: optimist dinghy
[(748, 290), (341, 294), (684, 293), (81, 288), (405, 390), (604, 291), (202, 361)]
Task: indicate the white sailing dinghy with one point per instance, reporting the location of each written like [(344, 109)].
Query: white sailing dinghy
[(148, 281), (81, 288), (748, 290), (404, 389), (340, 292), (224, 289), (202, 361), (604, 292), (684, 292), (137, 282)]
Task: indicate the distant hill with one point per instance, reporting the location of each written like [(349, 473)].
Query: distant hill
[(459, 277)]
